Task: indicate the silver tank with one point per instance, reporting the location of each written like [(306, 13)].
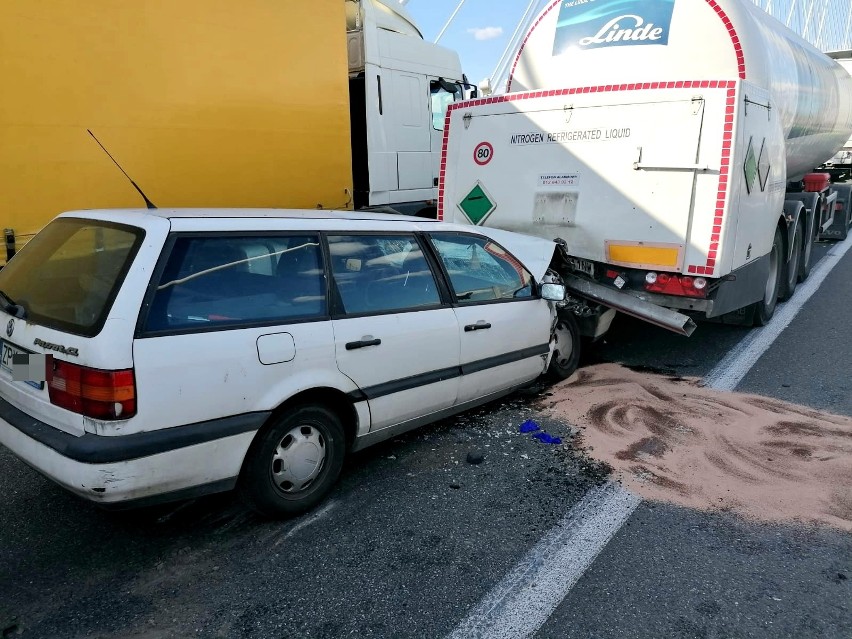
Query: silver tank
[(589, 43)]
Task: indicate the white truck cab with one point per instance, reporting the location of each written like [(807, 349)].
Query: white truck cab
[(400, 87)]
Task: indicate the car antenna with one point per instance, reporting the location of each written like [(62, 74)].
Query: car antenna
[(148, 202)]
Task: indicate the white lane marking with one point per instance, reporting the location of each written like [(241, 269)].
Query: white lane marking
[(307, 521), (520, 604), (739, 360)]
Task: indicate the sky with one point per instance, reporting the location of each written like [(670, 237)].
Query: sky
[(479, 32)]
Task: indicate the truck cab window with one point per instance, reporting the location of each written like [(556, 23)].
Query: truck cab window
[(440, 100)]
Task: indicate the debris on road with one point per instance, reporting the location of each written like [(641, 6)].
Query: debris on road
[(529, 426), (545, 438), (669, 439), (475, 457)]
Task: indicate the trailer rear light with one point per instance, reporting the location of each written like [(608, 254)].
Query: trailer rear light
[(92, 392), (682, 285)]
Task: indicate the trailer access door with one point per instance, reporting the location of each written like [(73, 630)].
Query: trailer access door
[(611, 174)]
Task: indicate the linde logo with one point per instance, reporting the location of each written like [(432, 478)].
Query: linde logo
[(614, 31), (592, 24)]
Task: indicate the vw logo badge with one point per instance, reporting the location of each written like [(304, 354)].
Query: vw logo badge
[(10, 328)]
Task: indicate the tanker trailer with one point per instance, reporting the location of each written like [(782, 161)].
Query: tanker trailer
[(840, 166), (656, 139)]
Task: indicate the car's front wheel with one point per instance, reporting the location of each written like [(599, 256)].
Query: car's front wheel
[(566, 351), (293, 462)]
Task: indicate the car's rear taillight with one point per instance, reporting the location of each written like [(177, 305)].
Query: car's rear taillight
[(92, 392), (670, 284)]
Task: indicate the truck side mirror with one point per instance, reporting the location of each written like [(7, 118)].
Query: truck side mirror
[(449, 87)]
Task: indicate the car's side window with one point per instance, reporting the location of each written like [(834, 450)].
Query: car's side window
[(480, 269), (379, 273), (239, 280)]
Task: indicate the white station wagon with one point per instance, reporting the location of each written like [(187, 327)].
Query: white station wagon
[(157, 355)]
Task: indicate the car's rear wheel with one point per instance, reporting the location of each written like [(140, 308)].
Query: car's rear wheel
[(566, 353), (293, 462)]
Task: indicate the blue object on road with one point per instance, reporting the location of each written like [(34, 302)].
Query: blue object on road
[(545, 438), (529, 426)]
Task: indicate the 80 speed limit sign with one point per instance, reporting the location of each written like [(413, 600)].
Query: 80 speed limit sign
[(483, 153)]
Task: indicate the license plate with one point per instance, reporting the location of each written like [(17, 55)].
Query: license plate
[(7, 353), (583, 266)]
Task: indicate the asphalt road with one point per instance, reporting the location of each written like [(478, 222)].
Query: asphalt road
[(674, 572), (414, 536)]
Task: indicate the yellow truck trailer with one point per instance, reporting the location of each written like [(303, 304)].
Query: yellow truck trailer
[(250, 103)]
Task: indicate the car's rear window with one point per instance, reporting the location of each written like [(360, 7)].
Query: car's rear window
[(68, 275)]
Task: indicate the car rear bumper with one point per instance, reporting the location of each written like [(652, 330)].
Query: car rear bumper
[(120, 470)]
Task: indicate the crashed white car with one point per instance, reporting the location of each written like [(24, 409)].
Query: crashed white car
[(157, 355)]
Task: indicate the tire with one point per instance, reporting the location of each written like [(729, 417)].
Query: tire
[(293, 462), (564, 362), (790, 276), (809, 238), (765, 309)]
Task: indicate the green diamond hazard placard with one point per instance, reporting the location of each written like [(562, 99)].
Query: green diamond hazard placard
[(477, 205), (750, 166), (763, 166)]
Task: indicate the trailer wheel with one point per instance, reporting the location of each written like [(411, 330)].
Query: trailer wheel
[(566, 354), (765, 309), (809, 237), (791, 268)]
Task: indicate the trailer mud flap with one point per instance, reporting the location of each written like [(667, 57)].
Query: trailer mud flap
[(631, 305)]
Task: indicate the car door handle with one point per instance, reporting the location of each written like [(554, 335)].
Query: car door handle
[(480, 325), (351, 346)]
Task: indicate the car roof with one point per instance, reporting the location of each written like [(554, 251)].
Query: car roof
[(534, 252), (294, 214)]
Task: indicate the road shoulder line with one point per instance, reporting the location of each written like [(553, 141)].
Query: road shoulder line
[(738, 362), (526, 597)]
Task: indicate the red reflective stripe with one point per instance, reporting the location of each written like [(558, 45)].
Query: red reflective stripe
[(519, 268)]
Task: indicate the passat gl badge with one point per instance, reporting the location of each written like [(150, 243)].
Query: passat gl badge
[(59, 348), (10, 328)]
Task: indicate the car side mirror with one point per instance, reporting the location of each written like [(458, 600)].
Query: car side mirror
[(553, 292)]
